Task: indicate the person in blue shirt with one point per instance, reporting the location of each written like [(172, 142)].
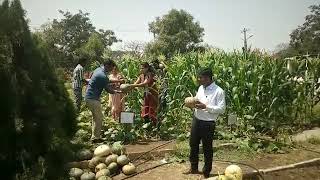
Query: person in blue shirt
[(98, 82)]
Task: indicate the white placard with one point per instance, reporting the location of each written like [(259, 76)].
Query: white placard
[(126, 117), (232, 119)]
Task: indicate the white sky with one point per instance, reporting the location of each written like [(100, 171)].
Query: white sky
[(270, 21)]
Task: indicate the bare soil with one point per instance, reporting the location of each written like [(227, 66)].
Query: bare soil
[(175, 171)]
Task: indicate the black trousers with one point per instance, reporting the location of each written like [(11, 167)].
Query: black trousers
[(204, 131)]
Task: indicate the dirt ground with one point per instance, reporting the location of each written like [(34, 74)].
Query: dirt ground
[(175, 171)]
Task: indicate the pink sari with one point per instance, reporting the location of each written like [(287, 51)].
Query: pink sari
[(116, 101)]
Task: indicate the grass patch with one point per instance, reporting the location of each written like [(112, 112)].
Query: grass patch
[(314, 140), (182, 151)]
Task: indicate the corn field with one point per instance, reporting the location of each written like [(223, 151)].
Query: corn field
[(265, 94)]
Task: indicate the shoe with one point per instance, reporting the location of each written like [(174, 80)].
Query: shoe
[(206, 175), (191, 171)]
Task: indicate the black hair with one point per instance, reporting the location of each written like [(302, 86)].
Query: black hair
[(109, 62), (205, 72), (147, 65), (82, 60)]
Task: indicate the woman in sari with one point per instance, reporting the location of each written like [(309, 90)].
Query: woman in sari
[(116, 101), (151, 95)]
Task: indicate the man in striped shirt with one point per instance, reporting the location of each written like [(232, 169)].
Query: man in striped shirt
[(77, 82)]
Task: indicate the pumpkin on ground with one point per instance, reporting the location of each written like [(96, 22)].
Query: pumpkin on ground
[(234, 170), (94, 162), (129, 169), (111, 158), (117, 148), (100, 167), (75, 172), (103, 172), (113, 167), (122, 160), (84, 154), (102, 150), (88, 176), (104, 178)]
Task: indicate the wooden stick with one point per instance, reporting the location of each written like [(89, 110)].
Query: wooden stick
[(301, 164), (292, 166)]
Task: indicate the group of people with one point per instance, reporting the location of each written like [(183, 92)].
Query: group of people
[(209, 105), (108, 77)]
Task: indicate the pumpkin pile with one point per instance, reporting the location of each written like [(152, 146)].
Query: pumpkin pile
[(106, 161)]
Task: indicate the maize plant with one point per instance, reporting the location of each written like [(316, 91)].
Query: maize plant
[(260, 90)]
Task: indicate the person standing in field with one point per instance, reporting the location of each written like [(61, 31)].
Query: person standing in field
[(151, 95), (98, 82), (210, 104), (77, 82), (116, 101)]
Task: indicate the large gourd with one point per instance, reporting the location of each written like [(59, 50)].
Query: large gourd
[(117, 148), (102, 150), (234, 170), (103, 172), (125, 87), (100, 166), (129, 169), (84, 154), (94, 162), (104, 178), (111, 158), (75, 172), (88, 176), (122, 160), (190, 102), (113, 167)]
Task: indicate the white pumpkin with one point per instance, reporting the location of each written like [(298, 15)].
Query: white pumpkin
[(129, 169), (190, 102), (235, 171), (75, 172), (103, 172), (88, 176), (102, 150), (125, 87), (100, 166), (94, 162)]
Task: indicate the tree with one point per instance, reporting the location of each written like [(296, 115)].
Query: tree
[(174, 32), (73, 34), (37, 117), (306, 38), (134, 47)]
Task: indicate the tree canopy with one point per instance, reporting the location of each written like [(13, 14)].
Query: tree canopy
[(174, 32), (73, 36), (306, 38), (37, 116)]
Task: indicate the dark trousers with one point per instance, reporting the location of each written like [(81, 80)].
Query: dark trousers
[(204, 131), (78, 98)]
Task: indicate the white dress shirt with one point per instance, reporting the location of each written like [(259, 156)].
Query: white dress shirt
[(214, 99), (77, 76)]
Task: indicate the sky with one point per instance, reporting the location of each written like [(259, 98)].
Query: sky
[(269, 21)]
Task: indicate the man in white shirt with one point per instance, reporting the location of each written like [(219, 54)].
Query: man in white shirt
[(77, 82), (211, 103)]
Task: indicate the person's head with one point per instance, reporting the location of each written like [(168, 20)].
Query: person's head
[(109, 65), (82, 61), (145, 68), (115, 70), (205, 76)]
